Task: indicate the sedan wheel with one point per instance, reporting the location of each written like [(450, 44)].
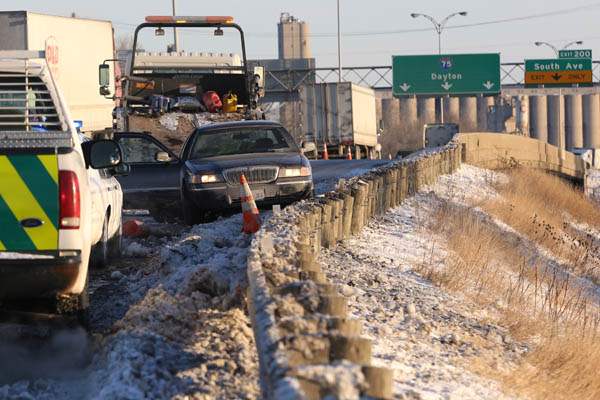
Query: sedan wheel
[(191, 214)]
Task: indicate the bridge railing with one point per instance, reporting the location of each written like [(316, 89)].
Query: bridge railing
[(493, 150), (378, 76)]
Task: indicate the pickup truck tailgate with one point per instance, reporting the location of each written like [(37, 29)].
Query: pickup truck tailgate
[(29, 202)]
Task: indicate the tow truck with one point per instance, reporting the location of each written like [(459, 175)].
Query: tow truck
[(203, 86)]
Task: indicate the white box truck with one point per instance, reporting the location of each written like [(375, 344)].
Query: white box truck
[(342, 116), (74, 48)]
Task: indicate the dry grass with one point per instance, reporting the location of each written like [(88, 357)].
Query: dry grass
[(540, 305), (542, 207)]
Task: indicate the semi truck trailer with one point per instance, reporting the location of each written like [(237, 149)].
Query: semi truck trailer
[(74, 47), (341, 116)]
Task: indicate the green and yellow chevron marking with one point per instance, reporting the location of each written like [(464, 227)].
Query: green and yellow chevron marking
[(28, 189)]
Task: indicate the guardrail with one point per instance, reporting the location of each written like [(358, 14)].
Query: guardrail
[(308, 346)]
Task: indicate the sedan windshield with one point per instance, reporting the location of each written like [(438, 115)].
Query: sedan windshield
[(227, 142)]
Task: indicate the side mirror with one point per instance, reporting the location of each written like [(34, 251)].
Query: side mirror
[(104, 79), (104, 74), (162, 156), (259, 80), (309, 149), (101, 154), (121, 170)]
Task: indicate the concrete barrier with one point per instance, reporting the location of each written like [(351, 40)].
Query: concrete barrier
[(494, 150), (304, 338)]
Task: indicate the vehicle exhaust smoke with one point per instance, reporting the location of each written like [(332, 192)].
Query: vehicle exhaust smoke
[(42, 352)]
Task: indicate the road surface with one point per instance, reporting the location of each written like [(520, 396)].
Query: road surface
[(326, 173)]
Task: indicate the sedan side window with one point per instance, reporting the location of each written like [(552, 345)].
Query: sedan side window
[(140, 150)]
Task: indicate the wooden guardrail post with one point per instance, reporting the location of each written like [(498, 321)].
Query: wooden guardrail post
[(380, 381), (326, 226), (348, 215), (371, 199), (360, 193)]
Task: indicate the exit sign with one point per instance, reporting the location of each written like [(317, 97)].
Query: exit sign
[(575, 54), (561, 72)]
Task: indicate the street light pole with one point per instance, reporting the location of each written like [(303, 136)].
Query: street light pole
[(339, 43), (439, 28), (555, 49), (175, 38)]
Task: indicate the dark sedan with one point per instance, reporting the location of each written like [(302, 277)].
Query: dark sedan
[(205, 179), (216, 156)]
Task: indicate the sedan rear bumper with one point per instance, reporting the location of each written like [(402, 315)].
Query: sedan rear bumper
[(222, 197), (27, 278)]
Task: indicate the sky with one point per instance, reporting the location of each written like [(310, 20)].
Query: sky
[(374, 30)]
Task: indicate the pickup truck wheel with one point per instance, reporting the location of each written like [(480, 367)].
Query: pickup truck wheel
[(74, 305), (191, 214), (83, 301), (115, 244), (100, 252)]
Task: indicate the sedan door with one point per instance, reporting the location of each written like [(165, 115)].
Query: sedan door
[(153, 181)]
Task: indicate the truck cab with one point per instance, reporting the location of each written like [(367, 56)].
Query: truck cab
[(48, 211)]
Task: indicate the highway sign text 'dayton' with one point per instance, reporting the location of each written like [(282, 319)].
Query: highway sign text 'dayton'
[(446, 74)]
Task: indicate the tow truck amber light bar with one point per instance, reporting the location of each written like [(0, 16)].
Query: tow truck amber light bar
[(169, 19)]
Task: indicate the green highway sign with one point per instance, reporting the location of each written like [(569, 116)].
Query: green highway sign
[(560, 72), (446, 74), (587, 53)]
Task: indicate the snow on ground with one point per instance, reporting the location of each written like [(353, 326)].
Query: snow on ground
[(429, 337), (168, 323)]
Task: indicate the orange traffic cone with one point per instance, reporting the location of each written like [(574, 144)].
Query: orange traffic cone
[(325, 152), (349, 154), (251, 218)]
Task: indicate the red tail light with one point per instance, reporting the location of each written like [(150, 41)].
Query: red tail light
[(70, 210)]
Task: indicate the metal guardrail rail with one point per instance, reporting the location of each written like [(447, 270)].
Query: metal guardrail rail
[(379, 76)]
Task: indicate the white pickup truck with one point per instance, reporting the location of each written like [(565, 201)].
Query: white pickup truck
[(59, 201)]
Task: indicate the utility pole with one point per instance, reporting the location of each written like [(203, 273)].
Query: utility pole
[(339, 43), (439, 28), (175, 38)]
